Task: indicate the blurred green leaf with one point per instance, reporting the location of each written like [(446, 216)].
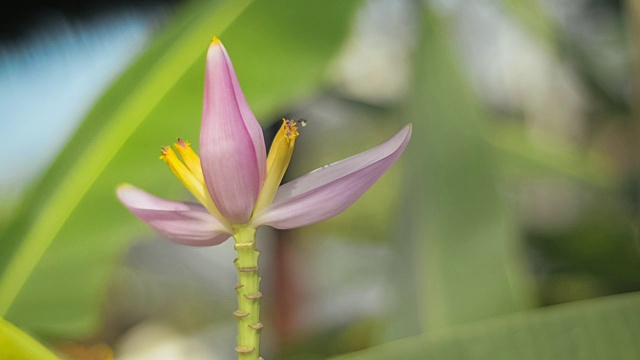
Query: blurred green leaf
[(520, 156), (600, 329), (60, 249), (458, 260), (17, 345)]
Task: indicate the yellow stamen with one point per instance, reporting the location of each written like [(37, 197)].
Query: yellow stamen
[(190, 174), (215, 40), (277, 162), (190, 158)]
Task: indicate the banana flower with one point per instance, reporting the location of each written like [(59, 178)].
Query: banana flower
[(238, 186)]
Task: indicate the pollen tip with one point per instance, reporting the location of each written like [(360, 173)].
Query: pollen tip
[(291, 129), (215, 41), (164, 151), (182, 143)]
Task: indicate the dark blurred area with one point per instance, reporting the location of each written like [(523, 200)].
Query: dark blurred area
[(19, 18)]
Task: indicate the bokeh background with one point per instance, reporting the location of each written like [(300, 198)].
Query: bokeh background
[(507, 230)]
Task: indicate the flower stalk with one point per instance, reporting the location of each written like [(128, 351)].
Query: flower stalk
[(249, 295)]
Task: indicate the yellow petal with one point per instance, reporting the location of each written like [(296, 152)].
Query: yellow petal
[(192, 180), (277, 162), (190, 159)]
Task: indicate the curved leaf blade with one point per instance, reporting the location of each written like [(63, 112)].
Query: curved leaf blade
[(17, 345), (599, 329)]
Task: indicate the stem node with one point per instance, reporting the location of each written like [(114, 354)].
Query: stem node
[(240, 314), (244, 350), (253, 296)]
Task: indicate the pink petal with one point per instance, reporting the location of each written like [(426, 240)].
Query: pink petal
[(326, 192), (183, 223), (232, 146)]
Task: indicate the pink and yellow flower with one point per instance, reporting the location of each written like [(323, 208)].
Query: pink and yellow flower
[(237, 184)]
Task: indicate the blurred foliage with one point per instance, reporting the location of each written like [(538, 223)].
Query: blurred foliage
[(600, 249), (463, 266), (522, 159), (17, 345), (470, 259)]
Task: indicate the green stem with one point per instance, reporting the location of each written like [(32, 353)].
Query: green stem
[(249, 295)]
